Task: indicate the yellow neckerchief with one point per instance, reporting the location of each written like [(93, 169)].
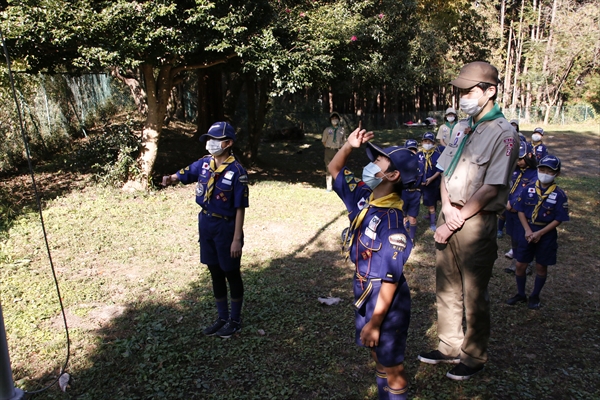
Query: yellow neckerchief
[(391, 200), (542, 196), (536, 144), (516, 184), (428, 154), (211, 182)]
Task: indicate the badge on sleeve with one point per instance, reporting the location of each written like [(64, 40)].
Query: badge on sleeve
[(398, 241), (243, 179), (205, 165), (509, 143), (361, 203)]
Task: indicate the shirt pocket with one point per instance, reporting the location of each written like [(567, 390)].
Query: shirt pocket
[(225, 183), (476, 171)]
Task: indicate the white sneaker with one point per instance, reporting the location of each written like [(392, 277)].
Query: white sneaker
[(509, 254)]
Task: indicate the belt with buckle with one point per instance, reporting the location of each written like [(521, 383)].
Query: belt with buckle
[(212, 214), (538, 223), (481, 212)]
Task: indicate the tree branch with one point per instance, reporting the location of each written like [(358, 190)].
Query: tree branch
[(182, 68)]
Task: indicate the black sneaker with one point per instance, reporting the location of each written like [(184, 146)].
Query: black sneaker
[(512, 268), (534, 303), (517, 298), (462, 372), (229, 329), (436, 357), (211, 330)]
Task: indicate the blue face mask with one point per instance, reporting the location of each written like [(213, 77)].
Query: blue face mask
[(368, 175)]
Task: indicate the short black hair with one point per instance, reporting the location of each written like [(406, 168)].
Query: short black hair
[(485, 86), (398, 187)]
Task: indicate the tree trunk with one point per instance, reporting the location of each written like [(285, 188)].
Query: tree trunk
[(256, 113), (158, 93)]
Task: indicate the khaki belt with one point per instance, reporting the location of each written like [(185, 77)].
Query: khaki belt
[(212, 214), (412, 190), (481, 212)]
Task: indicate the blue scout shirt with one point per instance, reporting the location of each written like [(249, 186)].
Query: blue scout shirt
[(554, 207), (230, 191), (525, 177), (429, 167), (540, 151)]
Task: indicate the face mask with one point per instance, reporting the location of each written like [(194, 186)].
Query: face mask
[(334, 122), (471, 106), (368, 175), (450, 118), (428, 146), (214, 147), (536, 137), (545, 178)]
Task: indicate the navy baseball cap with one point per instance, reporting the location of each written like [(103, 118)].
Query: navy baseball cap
[(429, 136), (522, 148), (539, 130), (411, 144), (220, 131), (401, 158), (551, 162)]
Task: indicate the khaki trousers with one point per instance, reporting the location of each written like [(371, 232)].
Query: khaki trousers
[(463, 271), (329, 154)]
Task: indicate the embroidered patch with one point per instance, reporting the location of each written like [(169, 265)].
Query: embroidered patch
[(226, 182), (199, 189), (552, 195), (243, 179), (388, 275), (187, 168), (374, 223), (205, 165), (366, 254), (509, 143), (181, 172), (352, 186), (229, 175), (550, 201), (362, 203), (349, 178), (398, 241), (565, 205), (455, 141), (346, 172), (531, 190)]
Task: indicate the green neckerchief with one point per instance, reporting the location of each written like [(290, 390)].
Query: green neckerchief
[(450, 125), (494, 113), (335, 129)]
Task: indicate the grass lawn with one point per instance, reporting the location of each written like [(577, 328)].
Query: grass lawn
[(137, 297)]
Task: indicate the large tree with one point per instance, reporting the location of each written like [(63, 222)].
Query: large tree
[(148, 45)]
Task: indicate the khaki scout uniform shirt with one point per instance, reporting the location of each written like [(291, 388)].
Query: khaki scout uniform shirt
[(340, 137), (444, 133), (488, 158)]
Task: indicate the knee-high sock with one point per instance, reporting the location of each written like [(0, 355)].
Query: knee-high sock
[(521, 284), (413, 231), (538, 285), (382, 394), (397, 394)]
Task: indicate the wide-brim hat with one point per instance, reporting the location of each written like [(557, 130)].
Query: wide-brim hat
[(334, 114), (220, 131), (475, 73), (450, 110), (401, 158)]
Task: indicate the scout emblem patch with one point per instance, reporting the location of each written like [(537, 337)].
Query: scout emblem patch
[(199, 189), (243, 179), (509, 143), (362, 203), (398, 241), (205, 165)]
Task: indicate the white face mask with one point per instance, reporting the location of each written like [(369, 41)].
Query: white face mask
[(214, 147), (428, 146), (471, 106), (450, 118), (368, 175), (536, 137), (545, 178), (335, 122)]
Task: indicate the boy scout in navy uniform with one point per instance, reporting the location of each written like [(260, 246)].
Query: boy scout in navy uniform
[(378, 247), (542, 207), (430, 185), (222, 192), (474, 188), (539, 148), (411, 196)]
